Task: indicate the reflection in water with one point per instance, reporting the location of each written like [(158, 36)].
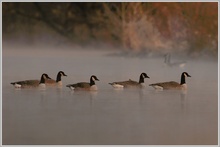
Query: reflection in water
[(88, 95), (93, 94), (183, 96), (59, 92)]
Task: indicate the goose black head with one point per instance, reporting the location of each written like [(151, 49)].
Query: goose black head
[(45, 76), (183, 76), (94, 78), (59, 75), (62, 73), (186, 74), (144, 75)]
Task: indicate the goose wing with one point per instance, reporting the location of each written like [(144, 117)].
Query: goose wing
[(132, 83), (50, 81), (83, 85), (79, 85), (166, 85), (128, 83), (27, 83)]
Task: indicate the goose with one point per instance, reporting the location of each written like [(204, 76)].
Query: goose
[(58, 82), (31, 83), (130, 83), (172, 84), (167, 62), (84, 85)]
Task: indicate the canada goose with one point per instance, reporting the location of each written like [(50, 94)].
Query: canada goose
[(130, 83), (31, 83), (58, 82), (85, 85), (167, 62), (172, 84)]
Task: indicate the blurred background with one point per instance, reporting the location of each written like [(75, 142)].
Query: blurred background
[(189, 28)]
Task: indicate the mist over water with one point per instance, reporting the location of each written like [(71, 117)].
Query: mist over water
[(108, 116)]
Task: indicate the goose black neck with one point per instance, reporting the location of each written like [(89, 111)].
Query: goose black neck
[(141, 80), (42, 80), (58, 77), (183, 81), (167, 58), (92, 82)]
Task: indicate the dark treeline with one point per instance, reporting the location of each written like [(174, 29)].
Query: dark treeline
[(191, 27)]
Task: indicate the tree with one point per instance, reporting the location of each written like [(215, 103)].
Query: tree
[(136, 26)]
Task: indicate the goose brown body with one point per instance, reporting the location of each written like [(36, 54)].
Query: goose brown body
[(126, 84), (167, 85), (172, 84), (31, 83), (85, 85), (130, 83), (27, 83)]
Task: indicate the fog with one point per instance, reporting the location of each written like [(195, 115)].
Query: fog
[(58, 116)]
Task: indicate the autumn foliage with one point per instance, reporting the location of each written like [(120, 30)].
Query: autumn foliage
[(190, 27)]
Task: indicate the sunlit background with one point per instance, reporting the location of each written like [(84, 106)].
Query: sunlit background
[(190, 28)]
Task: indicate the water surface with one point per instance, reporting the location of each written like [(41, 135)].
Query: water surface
[(57, 116)]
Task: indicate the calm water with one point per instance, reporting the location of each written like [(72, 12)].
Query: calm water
[(108, 116)]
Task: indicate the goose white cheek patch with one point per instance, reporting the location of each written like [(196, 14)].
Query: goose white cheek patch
[(93, 78)]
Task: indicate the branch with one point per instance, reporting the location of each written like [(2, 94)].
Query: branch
[(48, 22), (112, 15)]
